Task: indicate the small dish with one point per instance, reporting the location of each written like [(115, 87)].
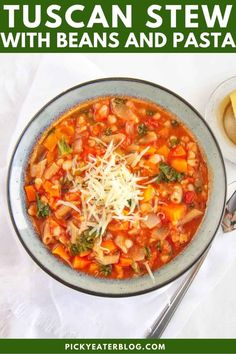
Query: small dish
[(215, 109)]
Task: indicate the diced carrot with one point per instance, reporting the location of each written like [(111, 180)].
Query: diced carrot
[(110, 245), (179, 164), (50, 142), (119, 270), (30, 193), (47, 185), (53, 203), (125, 262), (52, 189), (60, 135), (93, 268), (149, 193), (51, 156), (66, 130), (80, 263), (164, 151), (60, 251), (178, 151), (174, 212)]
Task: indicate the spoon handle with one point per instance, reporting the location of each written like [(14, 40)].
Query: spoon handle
[(163, 320)]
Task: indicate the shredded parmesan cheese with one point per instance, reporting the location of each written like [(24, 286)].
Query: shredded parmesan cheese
[(110, 191), (139, 156), (149, 272), (69, 204)]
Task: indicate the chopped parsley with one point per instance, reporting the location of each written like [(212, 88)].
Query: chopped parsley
[(108, 132), (129, 201), (66, 184), (85, 111), (43, 209), (174, 142), (63, 147), (191, 205), (198, 189), (142, 129), (168, 174), (106, 269), (85, 242), (88, 113), (135, 267), (174, 123), (120, 100), (147, 252), (150, 113), (159, 247)]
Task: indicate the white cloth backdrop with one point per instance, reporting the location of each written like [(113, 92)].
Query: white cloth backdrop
[(32, 305)]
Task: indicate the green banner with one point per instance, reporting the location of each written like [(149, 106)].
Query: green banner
[(190, 346), (118, 26)]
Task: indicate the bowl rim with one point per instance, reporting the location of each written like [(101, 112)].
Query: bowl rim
[(48, 271), (227, 146)]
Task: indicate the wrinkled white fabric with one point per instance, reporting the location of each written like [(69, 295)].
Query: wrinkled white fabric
[(33, 305)]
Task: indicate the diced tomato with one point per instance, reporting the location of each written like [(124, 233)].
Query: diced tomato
[(178, 151), (174, 212), (164, 132), (152, 122), (189, 197)]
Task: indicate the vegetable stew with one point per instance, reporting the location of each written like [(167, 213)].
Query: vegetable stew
[(116, 187)]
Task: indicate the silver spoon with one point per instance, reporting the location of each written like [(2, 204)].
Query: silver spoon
[(164, 318)]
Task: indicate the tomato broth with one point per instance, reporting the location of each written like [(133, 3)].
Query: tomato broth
[(117, 187)]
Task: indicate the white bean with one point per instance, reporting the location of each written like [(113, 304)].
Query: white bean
[(177, 195), (192, 162), (112, 119), (191, 155), (56, 231), (38, 182), (128, 243), (190, 187), (67, 165)]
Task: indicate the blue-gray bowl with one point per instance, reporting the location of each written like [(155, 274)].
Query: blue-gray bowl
[(50, 112)]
